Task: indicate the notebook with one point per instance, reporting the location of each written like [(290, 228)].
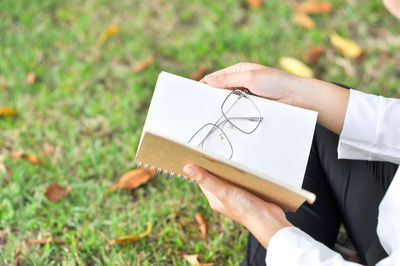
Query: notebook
[(270, 162)]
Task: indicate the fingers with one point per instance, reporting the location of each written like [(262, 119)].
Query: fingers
[(218, 192), (238, 79), (206, 180), (240, 67)]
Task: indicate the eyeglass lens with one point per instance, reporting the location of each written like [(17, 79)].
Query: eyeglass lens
[(241, 112)]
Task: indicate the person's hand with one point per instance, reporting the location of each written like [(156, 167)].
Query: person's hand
[(329, 100), (263, 219), (258, 79)]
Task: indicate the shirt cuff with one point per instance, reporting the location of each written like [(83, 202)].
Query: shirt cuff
[(360, 130), (291, 246)]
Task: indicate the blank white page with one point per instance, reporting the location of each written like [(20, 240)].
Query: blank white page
[(279, 147)]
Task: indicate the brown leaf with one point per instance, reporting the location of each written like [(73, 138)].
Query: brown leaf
[(314, 7), (198, 75), (48, 148), (254, 3), (202, 224), (346, 47), (134, 178), (46, 241), (3, 238), (127, 239), (7, 111), (3, 168), (30, 79), (314, 54), (304, 20), (193, 260), (32, 158), (55, 192), (145, 64)]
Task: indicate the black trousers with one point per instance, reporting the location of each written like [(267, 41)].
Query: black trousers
[(348, 192)]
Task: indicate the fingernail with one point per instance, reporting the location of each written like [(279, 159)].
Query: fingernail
[(189, 170)]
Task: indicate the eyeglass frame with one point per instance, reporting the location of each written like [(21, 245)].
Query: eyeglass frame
[(218, 123)]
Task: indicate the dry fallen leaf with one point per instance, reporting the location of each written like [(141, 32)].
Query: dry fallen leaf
[(133, 178), (303, 20), (7, 111), (3, 238), (32, 158), (30, 79), (145, 64), (254, 3), (110, 31), (46, 241), (4, 169), (126, 239), (55, 192), (295, 67), (193, 260), (314, 7), (198, 75), (314, 54), (346, 47), (202, 224)]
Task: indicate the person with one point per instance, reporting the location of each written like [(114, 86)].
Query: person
[(352, 170)]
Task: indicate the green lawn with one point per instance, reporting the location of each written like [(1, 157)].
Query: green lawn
[(83, 115)]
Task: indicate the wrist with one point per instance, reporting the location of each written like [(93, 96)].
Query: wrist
[(328, 99), (265, 222), (299, 91)]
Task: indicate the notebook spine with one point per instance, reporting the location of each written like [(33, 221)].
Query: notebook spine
[(164, 172)]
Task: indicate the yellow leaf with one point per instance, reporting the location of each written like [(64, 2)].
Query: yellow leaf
[(193, 260), (304, 20), (126, 239), (110, 31), (346, 47), (7, 111), (295, 67)]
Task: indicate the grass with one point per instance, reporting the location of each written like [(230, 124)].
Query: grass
[(83, 115)]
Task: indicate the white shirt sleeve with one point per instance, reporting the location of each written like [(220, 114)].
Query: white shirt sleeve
[(291, 246), (371, 131)]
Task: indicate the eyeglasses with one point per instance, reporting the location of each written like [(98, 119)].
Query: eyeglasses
[(239, 112)]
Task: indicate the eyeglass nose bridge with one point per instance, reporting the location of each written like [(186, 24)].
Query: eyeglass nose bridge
[(209, 133)]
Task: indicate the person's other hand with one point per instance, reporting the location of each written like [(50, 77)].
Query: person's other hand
[(263, 219), (258, 79)]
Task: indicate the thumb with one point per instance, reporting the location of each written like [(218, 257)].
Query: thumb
[(238, 79), (204, 178)]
